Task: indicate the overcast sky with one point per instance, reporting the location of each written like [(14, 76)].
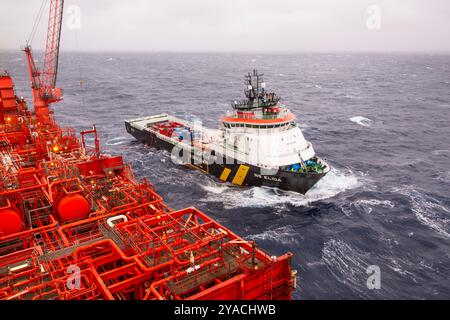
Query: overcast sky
[(237, 25)]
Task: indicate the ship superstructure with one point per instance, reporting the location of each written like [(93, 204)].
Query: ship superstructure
[(258, 142), (76, 224)]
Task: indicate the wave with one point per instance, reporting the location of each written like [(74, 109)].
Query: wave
[(428, 210), (347, 264), (363, 121), (443, 152), (399, 267), (332, 184), (375, 202), (117, 141), (367, 205), (445, 177), (285, 235)]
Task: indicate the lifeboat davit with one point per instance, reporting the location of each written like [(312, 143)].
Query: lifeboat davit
[(73, 207), (10, 222)]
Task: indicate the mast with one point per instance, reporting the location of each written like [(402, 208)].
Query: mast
[(255, 92)]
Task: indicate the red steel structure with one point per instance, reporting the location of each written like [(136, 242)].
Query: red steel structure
[(43, 82), (76, 224)]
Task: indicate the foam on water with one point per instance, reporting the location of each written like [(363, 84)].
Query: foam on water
[(375, 202), (428, 210), (445, 177), (396, 266), (285, 235), (441, 152), (333, 183), (347, 264), (367, 205), (363, 121), (117, 141)]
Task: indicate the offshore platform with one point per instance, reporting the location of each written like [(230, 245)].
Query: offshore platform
[(76, 224)]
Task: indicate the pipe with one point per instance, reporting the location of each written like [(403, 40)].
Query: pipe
[(53, 223), (178, 274), (110, 221), (8, 204)]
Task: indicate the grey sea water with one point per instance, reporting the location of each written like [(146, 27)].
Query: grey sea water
[(380, 120)]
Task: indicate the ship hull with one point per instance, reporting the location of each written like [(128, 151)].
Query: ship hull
[(232, 170)]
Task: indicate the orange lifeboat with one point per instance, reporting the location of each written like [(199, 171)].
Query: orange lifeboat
[(10, 222), (73, 207)]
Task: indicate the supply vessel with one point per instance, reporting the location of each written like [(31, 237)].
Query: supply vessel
[(76, 224), (258, 142)]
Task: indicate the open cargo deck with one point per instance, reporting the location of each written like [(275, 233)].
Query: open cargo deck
[(75, 224)]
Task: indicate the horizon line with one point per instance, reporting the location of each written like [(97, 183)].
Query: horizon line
[(281, 52)]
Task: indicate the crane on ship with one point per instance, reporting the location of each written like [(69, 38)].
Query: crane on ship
[(43, 81)]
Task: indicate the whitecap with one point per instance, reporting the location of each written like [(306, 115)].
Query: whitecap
[(284, 235), (428, 211), (441, 152), (363, 121), (375, 202), (368, 204), (117, 141), (347, 264), (396, 266)]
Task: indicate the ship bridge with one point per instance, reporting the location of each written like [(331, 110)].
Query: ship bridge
[(266, 140), (261, 118)]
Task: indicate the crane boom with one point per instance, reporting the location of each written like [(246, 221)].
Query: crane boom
[(50, 70), (43, 82)]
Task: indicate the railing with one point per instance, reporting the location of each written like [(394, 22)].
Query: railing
[(259, 115), (245, 104)]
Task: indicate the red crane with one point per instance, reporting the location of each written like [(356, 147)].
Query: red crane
[(43, 82)]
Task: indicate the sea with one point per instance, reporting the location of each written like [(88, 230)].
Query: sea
[(376, 227)]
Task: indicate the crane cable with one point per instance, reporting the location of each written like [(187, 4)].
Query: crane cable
[(36, 22), (80, 69)]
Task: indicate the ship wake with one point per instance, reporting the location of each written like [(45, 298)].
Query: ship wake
[(334, 183)]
